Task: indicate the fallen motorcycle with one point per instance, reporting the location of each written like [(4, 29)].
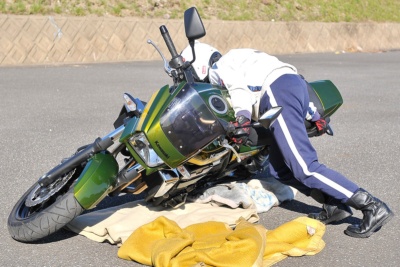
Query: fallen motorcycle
[(176, 143)]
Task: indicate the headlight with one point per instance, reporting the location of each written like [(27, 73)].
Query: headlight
[(142, 146)]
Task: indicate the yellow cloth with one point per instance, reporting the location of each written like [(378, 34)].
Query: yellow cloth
[(163, 243), (300, 237)]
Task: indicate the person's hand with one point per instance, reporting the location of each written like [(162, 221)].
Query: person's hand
[(322, 126), (241, 135)]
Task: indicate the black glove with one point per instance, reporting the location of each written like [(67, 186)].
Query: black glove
[(241, 135), (322, 126)]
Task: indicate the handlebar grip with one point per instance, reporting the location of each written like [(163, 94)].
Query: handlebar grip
[(168, 41)]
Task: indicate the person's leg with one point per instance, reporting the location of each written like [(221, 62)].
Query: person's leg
[(332, 209), (290, 92), (280, 170)]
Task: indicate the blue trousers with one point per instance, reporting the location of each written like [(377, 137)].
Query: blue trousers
[(293, 159)]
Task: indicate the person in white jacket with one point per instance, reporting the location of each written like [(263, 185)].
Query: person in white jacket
[(256, 82)]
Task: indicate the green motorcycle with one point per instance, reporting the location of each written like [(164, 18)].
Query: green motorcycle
[(176, 143)]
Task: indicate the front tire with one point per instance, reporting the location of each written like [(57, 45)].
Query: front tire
[(29, 224)]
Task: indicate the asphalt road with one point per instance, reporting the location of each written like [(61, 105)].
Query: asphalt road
[(47, 112)]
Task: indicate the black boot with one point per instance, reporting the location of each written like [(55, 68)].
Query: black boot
[(376, 214), (330, 213), (259, 162), (332, 210)]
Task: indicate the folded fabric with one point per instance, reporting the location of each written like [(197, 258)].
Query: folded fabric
[(231, 195), (263, 199), (163, 243), (262, 194), (115, 224), (281, 191)]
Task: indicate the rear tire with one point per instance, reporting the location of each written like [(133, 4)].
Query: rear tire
[(29, 224)]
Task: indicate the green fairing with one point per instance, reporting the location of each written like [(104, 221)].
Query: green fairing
[(206, 91), (151, 124), (129, 130), (329, 96), (96, 179), (151, 127)]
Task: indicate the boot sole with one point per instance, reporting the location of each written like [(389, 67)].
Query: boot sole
[(373, 229)]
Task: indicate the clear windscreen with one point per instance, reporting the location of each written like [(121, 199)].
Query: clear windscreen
[(188, 122)]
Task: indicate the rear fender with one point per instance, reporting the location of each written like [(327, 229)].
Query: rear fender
[(96, 180)]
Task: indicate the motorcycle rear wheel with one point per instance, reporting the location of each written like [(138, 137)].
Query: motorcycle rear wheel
[(28, 223)]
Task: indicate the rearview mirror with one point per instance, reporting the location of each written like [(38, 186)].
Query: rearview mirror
[(270, 116), (194, 27)]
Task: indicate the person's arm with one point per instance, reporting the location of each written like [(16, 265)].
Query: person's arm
[(241, 97)]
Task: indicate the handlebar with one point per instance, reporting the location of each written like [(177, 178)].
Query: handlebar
[(176, 67), (176, 61), (168, 41)]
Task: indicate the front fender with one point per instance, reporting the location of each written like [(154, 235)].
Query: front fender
[(96, 180)]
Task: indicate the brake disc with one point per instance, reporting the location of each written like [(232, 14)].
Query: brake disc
[(40, 194)]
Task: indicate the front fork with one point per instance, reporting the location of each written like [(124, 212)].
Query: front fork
[(100, 174), (100, 144)]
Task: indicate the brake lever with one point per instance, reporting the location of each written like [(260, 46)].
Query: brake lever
[(167, 68)]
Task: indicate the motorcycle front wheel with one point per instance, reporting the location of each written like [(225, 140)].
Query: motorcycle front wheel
[(42, 211)]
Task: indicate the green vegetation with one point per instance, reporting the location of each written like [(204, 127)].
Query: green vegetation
[(264, 10)]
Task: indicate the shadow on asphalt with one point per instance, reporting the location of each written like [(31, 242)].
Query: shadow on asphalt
[(303, 209)]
